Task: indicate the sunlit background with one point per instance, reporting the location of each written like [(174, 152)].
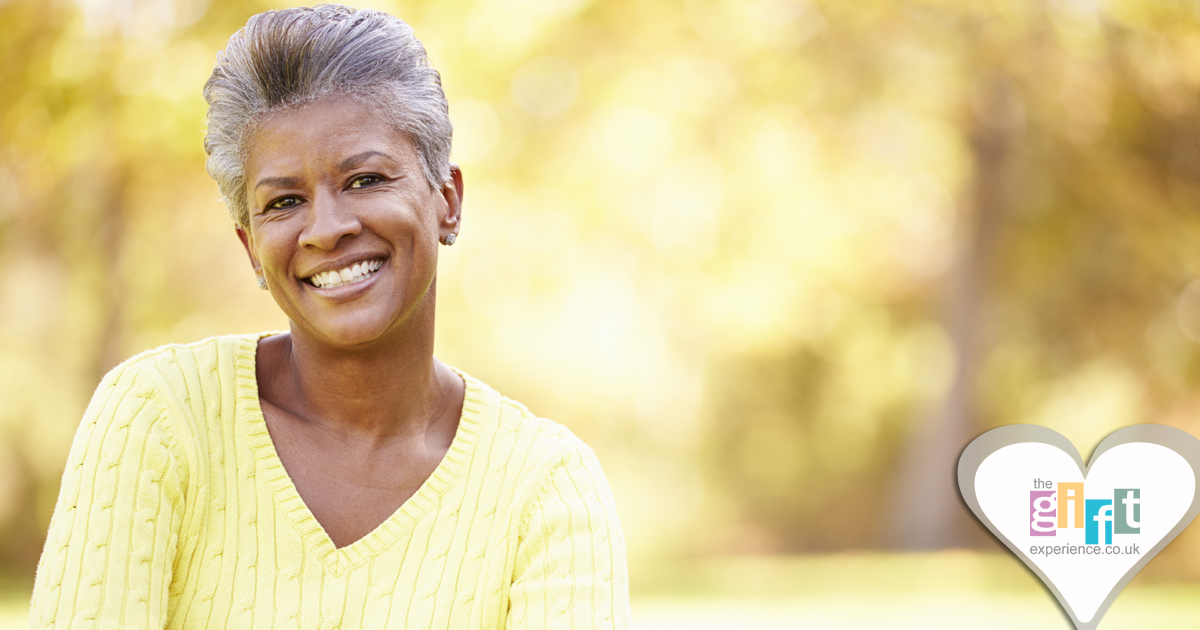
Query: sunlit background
[(777, 261)]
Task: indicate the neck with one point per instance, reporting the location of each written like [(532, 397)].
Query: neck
[(390, 388)]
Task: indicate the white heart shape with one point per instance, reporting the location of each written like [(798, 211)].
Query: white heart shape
[(1002, 472)]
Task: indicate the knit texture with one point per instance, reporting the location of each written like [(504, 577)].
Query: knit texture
[(176, 512)]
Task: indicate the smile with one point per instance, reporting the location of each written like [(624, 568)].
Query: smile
[(353, 274)]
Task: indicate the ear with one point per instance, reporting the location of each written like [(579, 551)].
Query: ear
[(248, 242), (452, 194)]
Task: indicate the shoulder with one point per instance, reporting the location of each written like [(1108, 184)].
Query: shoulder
[(159, 377), (173, 365), (514, 439), (176, 389), (197, 380), (497, 414), (141, 412)]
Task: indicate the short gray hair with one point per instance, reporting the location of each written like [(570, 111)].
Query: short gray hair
[(284, 59)]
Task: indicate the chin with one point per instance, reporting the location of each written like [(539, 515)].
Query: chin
[(360, 323), (347, 333)]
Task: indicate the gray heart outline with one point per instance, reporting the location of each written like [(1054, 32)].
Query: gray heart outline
[(1183, 443)]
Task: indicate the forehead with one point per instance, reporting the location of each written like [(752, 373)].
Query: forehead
[(322, 133)]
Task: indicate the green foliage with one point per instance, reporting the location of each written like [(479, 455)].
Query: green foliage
[(720, 240)]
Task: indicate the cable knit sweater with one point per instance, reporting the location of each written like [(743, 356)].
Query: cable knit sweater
[(176, 512)]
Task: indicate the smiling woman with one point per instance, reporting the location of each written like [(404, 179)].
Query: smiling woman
[(337, 188), (337, 475)]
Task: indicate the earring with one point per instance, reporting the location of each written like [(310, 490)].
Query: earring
[(449, 240), (262, 283)]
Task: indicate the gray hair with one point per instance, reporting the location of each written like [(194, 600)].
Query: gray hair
[(285, 59)]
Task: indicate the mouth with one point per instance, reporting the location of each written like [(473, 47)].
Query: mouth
[(351, 274)]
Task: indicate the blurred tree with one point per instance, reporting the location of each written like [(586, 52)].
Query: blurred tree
[(778, 260), (1070, 250), (929, 514)]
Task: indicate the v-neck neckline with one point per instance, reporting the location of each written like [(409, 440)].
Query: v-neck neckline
[(287, 497)]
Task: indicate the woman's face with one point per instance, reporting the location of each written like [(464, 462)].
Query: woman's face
[(343, 225)]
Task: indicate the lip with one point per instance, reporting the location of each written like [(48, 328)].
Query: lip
[(341, 263), (347, 291)]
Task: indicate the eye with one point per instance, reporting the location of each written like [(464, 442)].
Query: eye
[(283, 203), (362, 181)]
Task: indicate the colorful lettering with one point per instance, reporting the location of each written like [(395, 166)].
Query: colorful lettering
[(1070, 504), (1127, 511), (1042, 513), (1099, 514)]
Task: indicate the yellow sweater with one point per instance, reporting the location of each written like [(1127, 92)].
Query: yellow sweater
[(176, 512)]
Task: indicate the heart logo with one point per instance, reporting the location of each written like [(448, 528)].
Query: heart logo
[(1084, 530)]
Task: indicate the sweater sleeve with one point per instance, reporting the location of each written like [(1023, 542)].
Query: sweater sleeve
[(109, 553), (570, 570)]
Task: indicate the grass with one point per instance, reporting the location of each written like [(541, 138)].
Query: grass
[(14, 602), (936, 591)]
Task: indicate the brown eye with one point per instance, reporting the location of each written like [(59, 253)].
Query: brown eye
[(362, 181), (283, 203)]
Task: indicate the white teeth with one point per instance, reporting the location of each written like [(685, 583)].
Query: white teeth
[(355, 273)]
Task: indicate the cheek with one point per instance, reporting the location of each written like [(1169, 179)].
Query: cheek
[(425, 248), (274, 251), (406, 222)]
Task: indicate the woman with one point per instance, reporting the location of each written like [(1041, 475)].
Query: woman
[(337, 475)]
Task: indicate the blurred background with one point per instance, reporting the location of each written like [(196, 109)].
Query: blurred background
[(777, 261)]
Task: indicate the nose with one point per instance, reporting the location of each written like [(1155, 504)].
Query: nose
[(329, 220)]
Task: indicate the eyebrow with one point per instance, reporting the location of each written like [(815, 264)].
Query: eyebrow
[(355, 160), (277, 182)]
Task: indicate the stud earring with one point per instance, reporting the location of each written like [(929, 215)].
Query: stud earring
[(262, 283), (449, 240)]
